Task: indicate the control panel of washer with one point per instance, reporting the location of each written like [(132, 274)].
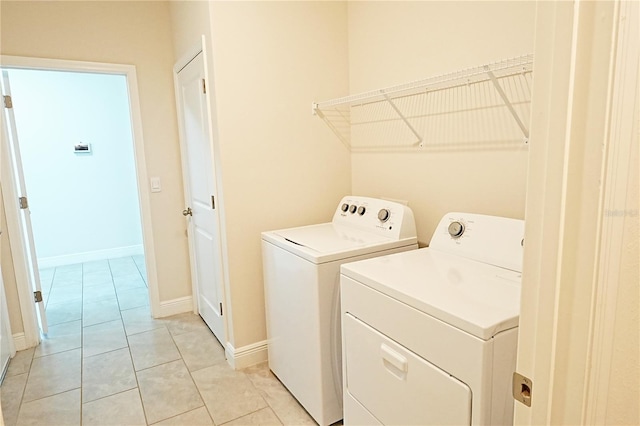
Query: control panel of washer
[(383, 217)]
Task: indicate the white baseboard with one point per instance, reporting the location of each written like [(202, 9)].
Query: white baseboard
[(175, 306), (89, 256), (246, 356), (20, 341)]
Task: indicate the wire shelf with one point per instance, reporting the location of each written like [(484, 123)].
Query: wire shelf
[(401, 115)]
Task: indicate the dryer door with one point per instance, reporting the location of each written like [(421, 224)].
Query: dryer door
[(396, 385)]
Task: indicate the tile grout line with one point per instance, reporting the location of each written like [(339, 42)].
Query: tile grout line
[(113, 283), (33, 357), (204, 403), (133, 366), (266, 402), (258, 392), (144, 278), (25, 387)]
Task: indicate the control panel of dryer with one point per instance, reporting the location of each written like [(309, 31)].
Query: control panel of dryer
[(495, 240), (378, 216)]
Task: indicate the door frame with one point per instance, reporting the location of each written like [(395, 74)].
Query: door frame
[(200, 48), (566, 313), (27, 307)]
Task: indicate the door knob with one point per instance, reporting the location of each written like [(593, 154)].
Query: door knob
[(187, 212)]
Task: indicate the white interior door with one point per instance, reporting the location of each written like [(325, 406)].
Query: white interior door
[(24, 214), (200, 194)]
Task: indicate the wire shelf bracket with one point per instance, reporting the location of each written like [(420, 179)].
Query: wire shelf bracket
[(395, 108), (508, 104)]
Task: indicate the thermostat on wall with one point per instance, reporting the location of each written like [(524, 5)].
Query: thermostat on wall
[(82, 148)]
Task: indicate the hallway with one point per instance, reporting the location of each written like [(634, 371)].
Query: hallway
[(105, 361)]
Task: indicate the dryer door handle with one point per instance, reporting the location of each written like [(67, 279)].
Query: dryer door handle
[(396, 361)]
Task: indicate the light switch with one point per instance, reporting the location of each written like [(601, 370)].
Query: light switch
[(156, 186)]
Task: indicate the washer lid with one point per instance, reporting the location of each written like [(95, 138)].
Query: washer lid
[(478, 298), (330, 238), (327, 241)]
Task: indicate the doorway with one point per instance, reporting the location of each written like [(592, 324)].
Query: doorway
[(76, 148), (78, 126)]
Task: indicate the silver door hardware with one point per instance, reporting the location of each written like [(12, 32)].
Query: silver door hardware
[(213, 203), (37, 296), (187, 212), (24, 204), (522, 389), (8, 103)]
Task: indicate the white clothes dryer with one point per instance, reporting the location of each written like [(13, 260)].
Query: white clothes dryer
[(301, 278), (430, 336)]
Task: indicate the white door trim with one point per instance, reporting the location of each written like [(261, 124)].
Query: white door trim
[(570, 117), (129, 71)]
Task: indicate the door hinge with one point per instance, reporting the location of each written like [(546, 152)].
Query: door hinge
[(8, 103), (37, 296), (24, 204), (221, 309), (213, 203), (204, 86), (522, 389)]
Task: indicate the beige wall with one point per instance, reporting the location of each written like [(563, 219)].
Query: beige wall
[(131, 32), (280, 166), (189, 21), (397, 42)]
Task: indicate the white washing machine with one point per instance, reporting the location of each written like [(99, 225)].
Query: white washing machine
[(430, 336), (301, 278)]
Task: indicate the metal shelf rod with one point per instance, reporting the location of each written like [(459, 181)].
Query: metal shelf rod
[(518, 65)]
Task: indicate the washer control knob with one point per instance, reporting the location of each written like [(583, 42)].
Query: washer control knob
[(353, 208), (344, 207), (384, 215), (362, 210), (456, 229)]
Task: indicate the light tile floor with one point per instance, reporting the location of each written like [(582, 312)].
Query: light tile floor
[(105, 361)]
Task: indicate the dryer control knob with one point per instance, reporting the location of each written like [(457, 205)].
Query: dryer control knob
[(353, 208), (384, 215), (456, 229), (344, 207), (361, 210)]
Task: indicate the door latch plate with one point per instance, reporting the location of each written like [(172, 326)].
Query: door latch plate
[(522, 389)]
